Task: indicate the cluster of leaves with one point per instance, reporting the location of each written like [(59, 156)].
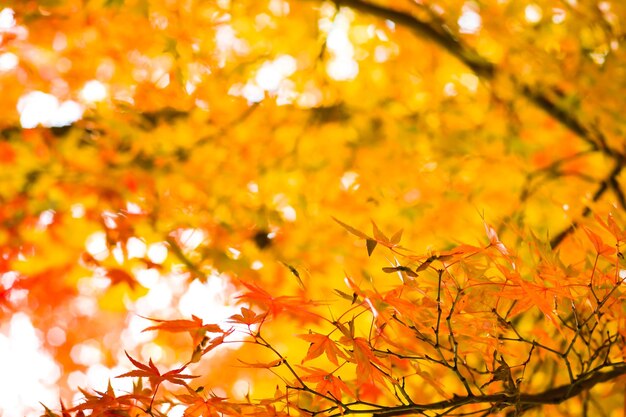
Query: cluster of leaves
[(515, 116), (473, 330)]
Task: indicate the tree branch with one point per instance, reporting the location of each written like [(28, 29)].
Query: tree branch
[(485, 69), (609, 181), (523, 401)]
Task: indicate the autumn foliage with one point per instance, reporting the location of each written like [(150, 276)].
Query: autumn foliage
[(309, 208)]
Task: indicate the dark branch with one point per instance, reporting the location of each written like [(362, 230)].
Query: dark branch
[(609, 181), (522, 401), (484, 69), (446, 40)]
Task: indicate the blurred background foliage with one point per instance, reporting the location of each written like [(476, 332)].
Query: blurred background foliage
[(155, 152)]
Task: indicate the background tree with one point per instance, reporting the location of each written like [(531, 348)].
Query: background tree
[(166, 159)]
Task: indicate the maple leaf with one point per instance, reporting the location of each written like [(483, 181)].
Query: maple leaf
[(494, 240), (600, 247), (352, 230), (612, 227), (247, 317), (378, 234), (151, 372), (327, 383), (369, 391), (195, 327), (321, 344), (107, 403), (266, 365), (213, 406), (198, 406), (216, 341), (295, 306), (365, 362)]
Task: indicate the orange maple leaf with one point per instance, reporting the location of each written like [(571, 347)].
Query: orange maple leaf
[(296, 306), (321, 344), (613, 228), (247, 317), (599, 245), (195, 327), (155, 377), (107, 403), (266, 365), (368, 366), (327, 383), (199, 406)]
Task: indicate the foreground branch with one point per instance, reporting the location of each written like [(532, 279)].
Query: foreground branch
[(525, 401)]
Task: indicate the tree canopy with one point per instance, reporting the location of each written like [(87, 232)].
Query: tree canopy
[(312, 208)]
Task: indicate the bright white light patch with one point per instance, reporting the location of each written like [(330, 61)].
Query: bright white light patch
[(469, 81), (381, 54), (177, 411), (93, 91), (36, 108), (253, 187), (159, 298), (342, 69), (268, 78), (253, 93), (533, 13), (86, 353), (559, 16), (69, 111), (272, 73), (348, 181), (191, 238), (339, 42), (56, 336), (78, 210), (40, 108), (8, 61), (147, 277), (133, 208), (118, 253), (7, 19), (234, 253), (342, 66), (289, 213), (241, 388), (449, 90), (135, 247), (97, 246), (469, 21), (157, 252), (8, 279), (28, 373), (210, 301), (45, 219)]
